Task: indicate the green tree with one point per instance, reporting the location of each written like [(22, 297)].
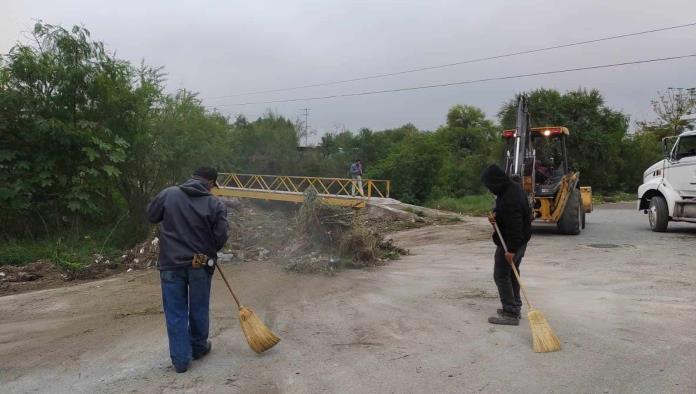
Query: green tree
[(267, 145), (413, 167), (167, 141), (60, 149), (473, 142), (86, 136), (670, 108)]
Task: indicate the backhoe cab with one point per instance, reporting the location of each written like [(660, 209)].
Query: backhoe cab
[(537, 159)]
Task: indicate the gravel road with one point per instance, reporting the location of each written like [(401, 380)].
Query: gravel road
[(621, 298)]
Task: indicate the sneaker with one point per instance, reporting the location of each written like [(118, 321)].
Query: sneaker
[(501, 312), (202, 354), (505, 320)]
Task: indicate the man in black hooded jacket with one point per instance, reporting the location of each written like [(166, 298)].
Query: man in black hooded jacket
[(513, 215), (192, 222)]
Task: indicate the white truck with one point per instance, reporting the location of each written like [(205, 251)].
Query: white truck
[(668, 192)]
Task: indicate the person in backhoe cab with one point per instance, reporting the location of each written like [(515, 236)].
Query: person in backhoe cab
[(193, 228), (514, 218), (544, 171)]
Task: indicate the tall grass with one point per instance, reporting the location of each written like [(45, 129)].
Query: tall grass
[(475, 205), (71, 252), (601, 198)]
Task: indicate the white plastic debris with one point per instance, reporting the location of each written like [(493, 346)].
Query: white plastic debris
[(142, 250), (155, 241), (136, 261), (2, 274), (124, 256), (130, 270)]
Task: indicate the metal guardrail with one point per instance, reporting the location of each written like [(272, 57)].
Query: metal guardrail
[(335, 191)]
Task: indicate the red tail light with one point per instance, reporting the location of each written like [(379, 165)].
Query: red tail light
[(509, 133)]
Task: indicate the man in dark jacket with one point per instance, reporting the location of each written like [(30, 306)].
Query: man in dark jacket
[(514, 218), (192, 222)]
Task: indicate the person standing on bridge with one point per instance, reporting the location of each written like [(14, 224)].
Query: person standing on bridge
[(514, 218), (193, 228), (356, 172)]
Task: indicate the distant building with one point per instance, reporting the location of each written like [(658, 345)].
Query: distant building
[(690, 119)]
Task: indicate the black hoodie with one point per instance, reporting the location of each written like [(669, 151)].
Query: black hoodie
[(191, 221), (512, 212)]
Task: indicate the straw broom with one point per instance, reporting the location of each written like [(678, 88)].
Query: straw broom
[(543, 338), (259, 337)]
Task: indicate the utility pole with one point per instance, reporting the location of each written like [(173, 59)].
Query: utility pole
[(306, 124)]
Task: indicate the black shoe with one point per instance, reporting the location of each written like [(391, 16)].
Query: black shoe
[(503, 313), (181, 369), (505, 320), (202, 354)]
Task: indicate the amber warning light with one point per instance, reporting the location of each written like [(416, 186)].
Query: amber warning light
[(545, 131)]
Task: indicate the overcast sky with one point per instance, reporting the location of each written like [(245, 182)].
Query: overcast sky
[(225, 48)]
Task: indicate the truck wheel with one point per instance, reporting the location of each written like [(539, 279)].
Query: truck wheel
[(658, 214), (571, 218), (582, 220)]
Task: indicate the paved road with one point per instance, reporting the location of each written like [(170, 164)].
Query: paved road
[(621, 298), (622, 223)]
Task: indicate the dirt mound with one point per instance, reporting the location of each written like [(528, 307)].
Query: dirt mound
[(46, 274), (309, 238)]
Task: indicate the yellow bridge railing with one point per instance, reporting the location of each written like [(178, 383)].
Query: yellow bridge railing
[(334, 191)]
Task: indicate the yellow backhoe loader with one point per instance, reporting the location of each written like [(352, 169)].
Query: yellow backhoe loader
[(537, 159)]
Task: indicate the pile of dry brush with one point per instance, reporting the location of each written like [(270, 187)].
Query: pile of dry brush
[(330, 237)]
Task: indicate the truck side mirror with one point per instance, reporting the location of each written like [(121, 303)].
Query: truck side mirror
[(668, 144)]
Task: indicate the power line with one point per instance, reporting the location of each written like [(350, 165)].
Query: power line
[(371, 92), (476, 60)]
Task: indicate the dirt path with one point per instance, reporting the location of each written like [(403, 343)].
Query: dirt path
[(622, 300)]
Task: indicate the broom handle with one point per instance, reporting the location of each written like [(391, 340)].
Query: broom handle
[(228, 285), (514, 269)]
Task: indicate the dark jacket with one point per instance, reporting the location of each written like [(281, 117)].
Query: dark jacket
[(191, 221), (512, 211), (356, 169)]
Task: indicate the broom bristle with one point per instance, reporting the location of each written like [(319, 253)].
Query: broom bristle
[(259, 337), (543, 338)]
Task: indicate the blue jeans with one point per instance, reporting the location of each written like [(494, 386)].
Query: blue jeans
[(186, 302)]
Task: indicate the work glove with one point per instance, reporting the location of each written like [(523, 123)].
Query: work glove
[(491, 217)]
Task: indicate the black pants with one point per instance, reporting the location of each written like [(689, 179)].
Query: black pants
[(508, 287)]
